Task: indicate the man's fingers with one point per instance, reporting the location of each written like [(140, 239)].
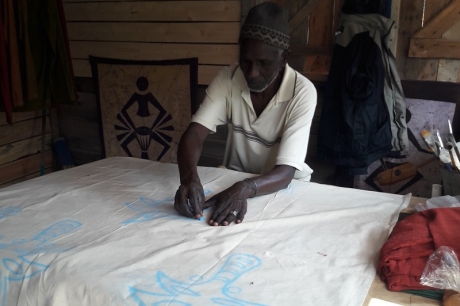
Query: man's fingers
[(222, 214), (229, 219), (184, 204), (196, 202), (220, 209), (211, 202), (239, 218)]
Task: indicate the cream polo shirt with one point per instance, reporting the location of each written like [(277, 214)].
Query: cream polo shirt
[(279, 136)]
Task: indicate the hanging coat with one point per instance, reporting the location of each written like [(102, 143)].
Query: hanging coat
[(363, 116)]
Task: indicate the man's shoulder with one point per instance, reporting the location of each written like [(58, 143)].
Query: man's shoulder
[(227, 72), (302, 82)]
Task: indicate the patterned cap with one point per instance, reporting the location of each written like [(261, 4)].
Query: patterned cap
[(267, 22)]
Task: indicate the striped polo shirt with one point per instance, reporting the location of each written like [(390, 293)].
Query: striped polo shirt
[(279, 136)]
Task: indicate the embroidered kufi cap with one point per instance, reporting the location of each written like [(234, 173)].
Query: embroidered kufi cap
[(267, 22)]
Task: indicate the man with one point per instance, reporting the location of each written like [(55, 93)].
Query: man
[(268, 107)]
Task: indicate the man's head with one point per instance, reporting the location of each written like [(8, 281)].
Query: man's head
[(264, 44)]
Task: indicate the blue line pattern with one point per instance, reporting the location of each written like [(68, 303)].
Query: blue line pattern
[(172, 291), (154, 209), (5, 212), (17, 267)]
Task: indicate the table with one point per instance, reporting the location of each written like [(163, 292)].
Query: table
[(379, 291), (106, 233)]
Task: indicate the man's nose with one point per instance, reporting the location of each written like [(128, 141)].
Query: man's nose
[(253, 71)]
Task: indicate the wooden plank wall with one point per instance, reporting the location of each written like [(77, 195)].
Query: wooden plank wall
[(144, 30), (154, 30), (413, 15), (20, 146), (209, 29)]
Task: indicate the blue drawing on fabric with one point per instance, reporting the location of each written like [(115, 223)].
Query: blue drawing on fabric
[(172, 291), (154, 209), (5, 212), (17, 267)]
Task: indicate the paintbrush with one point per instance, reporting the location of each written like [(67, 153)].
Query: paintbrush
[(452, 140), (429, 140), (443, 153), (453, 156)]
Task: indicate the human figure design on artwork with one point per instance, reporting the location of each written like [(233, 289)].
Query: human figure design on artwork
[(129, 131)]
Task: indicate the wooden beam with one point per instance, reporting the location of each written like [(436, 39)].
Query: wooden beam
[(17, 117), (22, 130), (411, 19), (27, 177), (311, 50), (24, 167), (434, 48), (154, 11), (303, 13), (316, 77), (441, 22), (206, 73), (19, 149), (71, 1), (199, 32), (210, 54)]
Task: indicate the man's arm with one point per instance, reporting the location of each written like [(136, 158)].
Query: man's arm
[(234, 199), (188, 154), (274, 180)]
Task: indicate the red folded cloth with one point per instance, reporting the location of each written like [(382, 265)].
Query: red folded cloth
[(404, 256)]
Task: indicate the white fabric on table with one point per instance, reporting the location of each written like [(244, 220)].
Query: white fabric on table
[(106, 233)]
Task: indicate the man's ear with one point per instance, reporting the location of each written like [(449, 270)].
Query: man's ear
[(285, 55)]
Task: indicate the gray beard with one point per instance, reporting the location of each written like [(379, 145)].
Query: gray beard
[(272, 79)]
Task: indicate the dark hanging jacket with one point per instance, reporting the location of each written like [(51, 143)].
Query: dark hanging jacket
[(363, 114)]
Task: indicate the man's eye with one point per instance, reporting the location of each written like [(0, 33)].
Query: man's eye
[(265, 63)]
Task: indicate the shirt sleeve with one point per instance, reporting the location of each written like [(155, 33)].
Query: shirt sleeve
[(213, 110), (294, 141)]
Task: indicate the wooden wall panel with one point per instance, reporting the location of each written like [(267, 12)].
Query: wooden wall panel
[(426, 69), (24, 167), (320, 33), (27, 177), (411, 20), (414, 15), (215, 54), (17, 117), (154, 11), (154, 30), (16, 150), (299, 35), (20, 145), (206, 73), (22, 130), (199, 32), (454, 34), (79, 125)]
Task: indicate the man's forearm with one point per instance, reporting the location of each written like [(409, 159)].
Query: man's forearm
[(187, 158), (189, 151), (274, 180)]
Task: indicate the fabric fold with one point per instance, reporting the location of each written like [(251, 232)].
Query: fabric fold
[(404, 256)]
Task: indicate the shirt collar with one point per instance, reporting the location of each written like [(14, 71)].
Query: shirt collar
[(285, 92)]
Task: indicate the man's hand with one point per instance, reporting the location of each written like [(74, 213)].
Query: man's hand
[(189, 199), (230, 205)]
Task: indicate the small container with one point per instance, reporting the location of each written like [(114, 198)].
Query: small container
[(451, 182)]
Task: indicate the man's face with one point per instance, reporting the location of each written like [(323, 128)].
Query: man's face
[(260, 63)]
